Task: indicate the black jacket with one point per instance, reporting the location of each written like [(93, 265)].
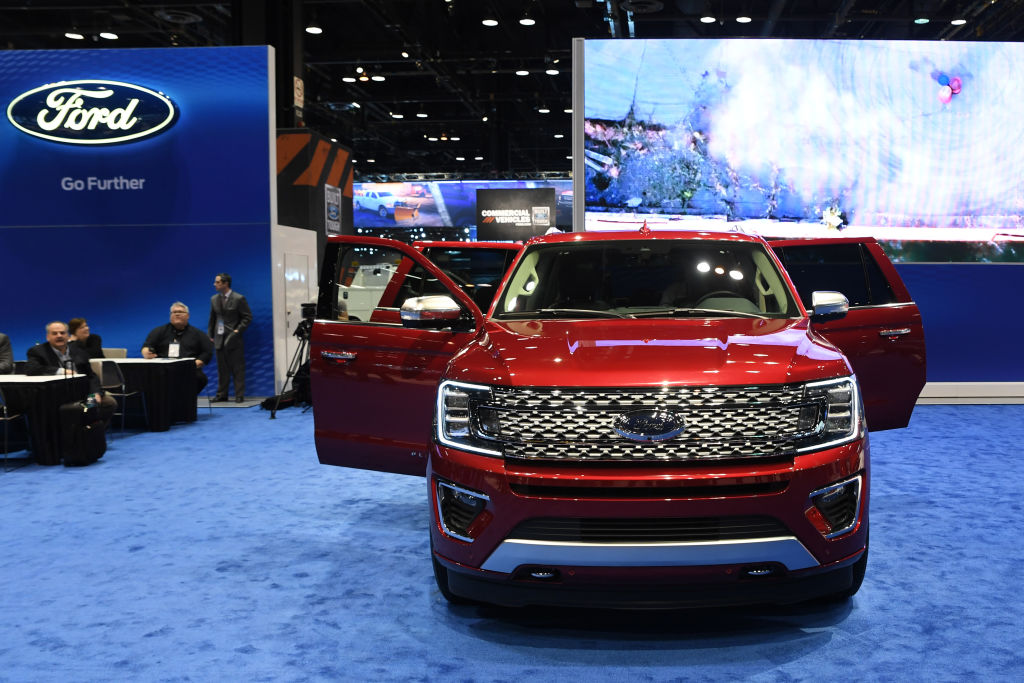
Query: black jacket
[(194, 344), (43, 361)]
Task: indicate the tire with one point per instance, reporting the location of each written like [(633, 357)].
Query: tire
[(358, 206), (441, 577), (859, 569), (382, 212)]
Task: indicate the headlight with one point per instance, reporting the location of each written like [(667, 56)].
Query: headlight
[(833, 413), (461, 421)]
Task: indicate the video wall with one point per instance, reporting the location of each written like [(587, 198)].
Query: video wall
[(415, 206), (915, 143)]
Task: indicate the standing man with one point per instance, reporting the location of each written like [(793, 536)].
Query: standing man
[(229, 316), (178, 339)]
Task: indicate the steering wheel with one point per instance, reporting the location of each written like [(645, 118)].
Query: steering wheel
[(717, 293)]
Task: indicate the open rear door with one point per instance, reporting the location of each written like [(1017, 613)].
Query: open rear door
[(374, 380), (882, 335)]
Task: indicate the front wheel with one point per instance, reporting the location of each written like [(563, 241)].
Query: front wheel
[(382, 212), (441, 577)]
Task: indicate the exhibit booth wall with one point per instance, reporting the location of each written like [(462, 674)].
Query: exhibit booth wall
[(314, 194), (914, 143), (129, 179)]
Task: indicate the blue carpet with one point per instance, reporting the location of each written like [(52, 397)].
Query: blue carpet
[(223, 550)]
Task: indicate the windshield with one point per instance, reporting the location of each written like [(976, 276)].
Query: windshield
[(647, 278)]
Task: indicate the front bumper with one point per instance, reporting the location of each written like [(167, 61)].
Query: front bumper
[(493, 564)]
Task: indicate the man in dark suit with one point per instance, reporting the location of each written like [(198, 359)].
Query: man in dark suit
[(229, 316), (6, 356), (56, 357)]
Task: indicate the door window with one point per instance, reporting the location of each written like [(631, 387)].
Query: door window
[(364, 283), (847, 268)]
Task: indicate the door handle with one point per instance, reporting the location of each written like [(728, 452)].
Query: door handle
[(891, 334), (338, 357)]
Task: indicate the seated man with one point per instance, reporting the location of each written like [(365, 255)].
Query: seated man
[(6, 356), (57, 357), (178, 339)]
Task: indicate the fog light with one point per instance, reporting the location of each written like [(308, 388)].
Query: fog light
[(835, 509), (458, 508)]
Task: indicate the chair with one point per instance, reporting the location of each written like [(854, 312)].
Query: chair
[(114, 352), (7, 417), (112, 381), (20, 366)]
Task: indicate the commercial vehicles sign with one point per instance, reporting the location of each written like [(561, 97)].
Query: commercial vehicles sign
[(88, 112)]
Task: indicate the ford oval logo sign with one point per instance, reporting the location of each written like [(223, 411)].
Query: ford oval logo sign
[(91, 112), (648, 425)]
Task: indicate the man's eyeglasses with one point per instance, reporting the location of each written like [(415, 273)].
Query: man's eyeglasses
[(179, 312)]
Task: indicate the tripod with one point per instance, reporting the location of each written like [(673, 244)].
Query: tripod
[(302, 331)]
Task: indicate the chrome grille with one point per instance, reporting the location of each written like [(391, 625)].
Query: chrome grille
[(722, 422)]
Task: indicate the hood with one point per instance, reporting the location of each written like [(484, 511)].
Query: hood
[(647, 352)]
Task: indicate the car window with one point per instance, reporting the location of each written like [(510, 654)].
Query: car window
[(477, 270), (647, 278), (369, 284), (846, 268)]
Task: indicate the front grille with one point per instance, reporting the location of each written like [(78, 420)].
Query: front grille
[(722, 423), (654, 530)]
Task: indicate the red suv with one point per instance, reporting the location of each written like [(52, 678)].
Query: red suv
[(627, 419)]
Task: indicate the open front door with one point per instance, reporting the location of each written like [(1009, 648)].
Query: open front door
[(882, 335), (374, 380)]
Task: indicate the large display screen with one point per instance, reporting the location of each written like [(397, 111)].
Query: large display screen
[(915, 143), (442, 204)]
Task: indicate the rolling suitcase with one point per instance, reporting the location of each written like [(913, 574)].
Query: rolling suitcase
[(83, 439)]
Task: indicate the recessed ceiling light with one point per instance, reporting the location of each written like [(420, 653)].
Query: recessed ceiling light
[(432, 139), (396, 115), (454, 139), (955, 22), (559, 136), (348, 79), (377, 78), (421, 114), (489, 21), (364, 78), (921, 20), (359, 69), (405, 55), (334, 139), (484, 119), (522, 72), (544, 110), (74, 36), (707, 19), (371, 161), (567, 111), (568, 156), (108, 35), (743, 20), (460, 158), (357, 105), (314, 30), (478, 158), (551, 72)]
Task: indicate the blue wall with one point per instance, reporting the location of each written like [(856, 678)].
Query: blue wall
[(973, 319), (120, 257)]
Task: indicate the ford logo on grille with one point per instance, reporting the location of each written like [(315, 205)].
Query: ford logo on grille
[(649, 425), (91, 112)]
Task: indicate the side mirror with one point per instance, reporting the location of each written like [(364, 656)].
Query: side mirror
[(828, 306), (432, 312)]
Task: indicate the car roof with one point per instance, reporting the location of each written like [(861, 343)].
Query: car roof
[(643, 234)]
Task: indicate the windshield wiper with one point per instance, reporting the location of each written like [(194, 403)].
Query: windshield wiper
[(681, 312), (566, 312)]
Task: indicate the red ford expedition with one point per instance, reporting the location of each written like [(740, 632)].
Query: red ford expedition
[(622, 419)]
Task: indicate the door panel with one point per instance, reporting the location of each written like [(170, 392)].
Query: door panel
[(373, 380), (882, 335)]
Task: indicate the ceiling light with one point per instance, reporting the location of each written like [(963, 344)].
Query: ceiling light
[(543, 110), (334, 139), (707, 19), (364, 78), (567, 111), (460, 158), (108, 35), (478, 158), (377, 78), (955, 22), (359, 69), (552, 72), (421, 114), (743, 19), (527, 18), (314, 29), (522, 72), (489, 19), (921, 20), (357, 105), (484, 119), (348, 79), (432, 139), (568, 156), (454, 138), (396, 115), (370, 161), (405, 55), (74, 35), (559, 136)]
